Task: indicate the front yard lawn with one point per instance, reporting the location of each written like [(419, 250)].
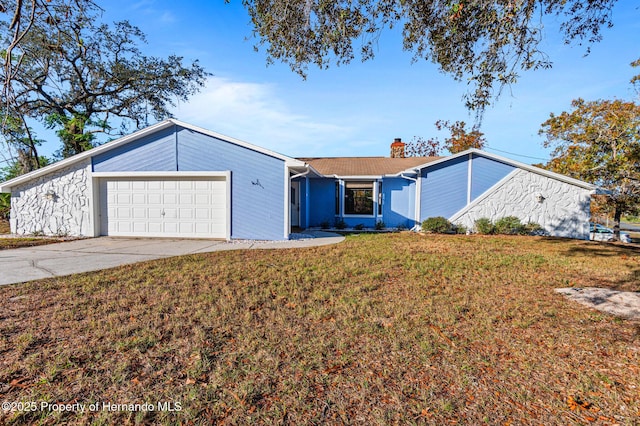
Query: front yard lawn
[(17, 242), (12, 243), (381, 329)]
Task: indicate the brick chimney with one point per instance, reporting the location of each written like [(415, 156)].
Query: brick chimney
[(397, 148)]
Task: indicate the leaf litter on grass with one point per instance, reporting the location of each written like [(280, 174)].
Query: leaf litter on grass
[(380, 329)]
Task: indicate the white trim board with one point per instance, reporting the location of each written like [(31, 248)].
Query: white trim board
[(224, 173)]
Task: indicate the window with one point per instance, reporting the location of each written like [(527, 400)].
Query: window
[(358, 198)]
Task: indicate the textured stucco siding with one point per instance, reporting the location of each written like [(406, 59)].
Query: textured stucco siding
[(66, 213), (563, 213)]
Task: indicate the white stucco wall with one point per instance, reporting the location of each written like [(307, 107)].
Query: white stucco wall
[(66, 213), (565, 211)]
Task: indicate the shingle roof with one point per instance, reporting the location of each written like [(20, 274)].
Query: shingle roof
[(364, 166)]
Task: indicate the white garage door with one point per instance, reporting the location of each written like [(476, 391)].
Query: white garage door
[(164, 207)]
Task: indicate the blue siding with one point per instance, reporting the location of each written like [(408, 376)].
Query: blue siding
[(322, 205), (257, 182), (444, 188), (257, 179), (398, 202), (303, 201), (485, 173), (153, 153)]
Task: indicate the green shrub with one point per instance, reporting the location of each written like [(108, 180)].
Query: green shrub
[(533, 228), (460, 229), (380, 225), (509, 225), (340, 224), (484, 226), (325, 224), (5, 206), (359, 227), (437, 225)]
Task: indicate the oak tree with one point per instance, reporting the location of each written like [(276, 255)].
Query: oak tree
[(83, 78), (459, 139), (484, 42), (599, 142)]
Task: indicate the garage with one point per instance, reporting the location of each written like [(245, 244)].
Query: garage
[(171, 179), (164, 206)]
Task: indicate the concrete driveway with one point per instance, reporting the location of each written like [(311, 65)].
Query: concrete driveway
[(93, 254)]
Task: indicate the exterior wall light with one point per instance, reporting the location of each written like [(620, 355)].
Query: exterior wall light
[(539, 198), (50, 195)]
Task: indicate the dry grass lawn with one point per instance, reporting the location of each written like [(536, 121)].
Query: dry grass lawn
[(4, 227), (13, 242), (381, 329)]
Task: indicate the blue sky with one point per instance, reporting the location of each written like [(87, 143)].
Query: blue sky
[(360, 108)]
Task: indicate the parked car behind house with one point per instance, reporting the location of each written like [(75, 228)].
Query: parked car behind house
[(599, 232)]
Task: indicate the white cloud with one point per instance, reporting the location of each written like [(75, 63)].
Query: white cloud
[(255, 113), (167, 17), (149, 8)]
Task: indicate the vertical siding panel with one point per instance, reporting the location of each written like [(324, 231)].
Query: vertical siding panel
[(302, 195), (444, 188), (486, 172), (322, 201), (398, 202), (257, 189), (153, 153)]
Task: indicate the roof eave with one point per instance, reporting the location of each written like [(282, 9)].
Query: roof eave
[(293, 162), (6, 186), (514, 163)]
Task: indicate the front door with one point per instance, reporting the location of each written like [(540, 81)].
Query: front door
[(295, 203)]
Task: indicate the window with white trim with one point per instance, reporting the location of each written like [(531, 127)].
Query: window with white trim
[(358, 198)]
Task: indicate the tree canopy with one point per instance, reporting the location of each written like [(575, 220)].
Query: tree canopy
[(82, 77), (599, 142), (486, 42), (459, 139)]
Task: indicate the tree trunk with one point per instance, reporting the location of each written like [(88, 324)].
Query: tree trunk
[(617, 215)]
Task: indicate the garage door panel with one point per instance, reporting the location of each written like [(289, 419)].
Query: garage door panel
[(201, 213), (139, 213), (123, 212), (139, 198), (139, 227), (154, 227), (123, 198), (171, 207), (202, 199), (170, 199), (186, 227)]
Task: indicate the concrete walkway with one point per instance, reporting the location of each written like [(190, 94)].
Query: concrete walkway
[(93, 254)]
